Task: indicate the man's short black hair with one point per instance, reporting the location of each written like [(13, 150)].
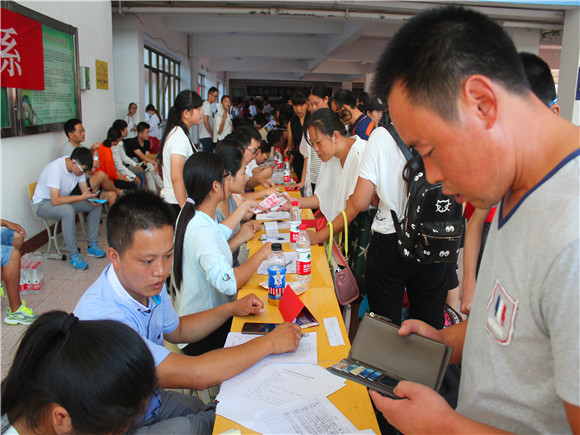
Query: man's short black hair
[(436, 50), (83, 156), (245, 134), (142, 126), (212, 90), (71, 125), (540, 77), (344, 97), (135, 211), (121, 124)]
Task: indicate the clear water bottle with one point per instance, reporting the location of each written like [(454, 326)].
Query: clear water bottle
[(303, 258), (276, 274), (286, 172), (279, 159), (295, 221)]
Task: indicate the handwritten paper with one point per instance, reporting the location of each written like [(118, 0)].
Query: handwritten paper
[(304, 416), (273, 215), (290, 264)]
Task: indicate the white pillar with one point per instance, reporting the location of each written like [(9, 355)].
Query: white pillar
[(369, 77), (347, 86), (568, 92), (525, 39)]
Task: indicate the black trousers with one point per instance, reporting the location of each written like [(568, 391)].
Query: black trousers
[(125, 185), (215, 340), (388, 275)]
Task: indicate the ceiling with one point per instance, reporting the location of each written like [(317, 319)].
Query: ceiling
[(329, 41)]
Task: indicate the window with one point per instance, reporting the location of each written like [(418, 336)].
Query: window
[(201, 85), (162, 83)]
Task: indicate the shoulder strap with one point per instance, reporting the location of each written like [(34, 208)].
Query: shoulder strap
[(345, 233), (404, 148), (329, 241)]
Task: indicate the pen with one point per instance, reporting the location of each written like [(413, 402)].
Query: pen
[(271, 238)]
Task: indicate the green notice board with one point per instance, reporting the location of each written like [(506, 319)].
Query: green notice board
[(4, 108)]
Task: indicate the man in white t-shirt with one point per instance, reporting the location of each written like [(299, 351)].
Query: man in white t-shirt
[(206, 133), (75, 132), (52, 199)]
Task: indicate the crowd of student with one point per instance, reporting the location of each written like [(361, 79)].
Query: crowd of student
[(466, 107)]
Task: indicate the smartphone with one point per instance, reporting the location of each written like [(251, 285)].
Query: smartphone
[(258, 328)]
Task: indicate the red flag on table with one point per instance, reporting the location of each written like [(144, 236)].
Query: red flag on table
[(21, 56)]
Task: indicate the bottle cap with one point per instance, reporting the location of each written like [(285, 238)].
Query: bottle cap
[(286, 159), (302, 227), (295, 203), (276, 246)]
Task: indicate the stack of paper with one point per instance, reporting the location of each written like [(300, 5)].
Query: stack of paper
[(290, 264)]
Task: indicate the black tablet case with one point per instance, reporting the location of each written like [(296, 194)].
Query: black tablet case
[(379, 346)]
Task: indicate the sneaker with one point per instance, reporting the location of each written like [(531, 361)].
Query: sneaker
[(77, 262), (23, 315), (95, 251)]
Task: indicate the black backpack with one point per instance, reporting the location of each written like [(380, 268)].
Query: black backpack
[(431, 229)]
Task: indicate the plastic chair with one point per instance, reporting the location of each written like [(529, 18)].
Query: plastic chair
[(52, 235)]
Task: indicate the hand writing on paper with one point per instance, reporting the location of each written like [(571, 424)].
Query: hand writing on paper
[(285, 338), (422, 410), (247, 305)]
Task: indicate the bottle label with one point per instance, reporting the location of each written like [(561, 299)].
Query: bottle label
[(294, 230), (303, 262), (286, 177), (276, 282)]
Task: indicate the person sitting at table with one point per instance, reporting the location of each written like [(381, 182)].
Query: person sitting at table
[(107, 162), (203, 265), (341, 157), (227, 211), (132, 290), (50, 389), (251, 140)]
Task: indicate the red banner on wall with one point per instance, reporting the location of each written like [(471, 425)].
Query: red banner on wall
[(21, 56)]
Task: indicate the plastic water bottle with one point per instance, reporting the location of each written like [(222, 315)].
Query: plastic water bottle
[(295, 221), (276, 274), (286, 172), (303, 258), (279, 159)]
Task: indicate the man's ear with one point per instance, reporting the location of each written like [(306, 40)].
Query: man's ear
[(114, 257), (60, 419), (555, 108), (479, 93)]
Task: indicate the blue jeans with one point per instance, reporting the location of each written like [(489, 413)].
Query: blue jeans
[(66, 213), (6, 240)]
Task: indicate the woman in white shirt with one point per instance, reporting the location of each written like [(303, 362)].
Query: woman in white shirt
[(317, 99), (176, 146), (154, 121), (203, 264), (340, 155), (130, 120)]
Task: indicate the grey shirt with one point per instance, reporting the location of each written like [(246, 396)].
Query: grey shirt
[(521, 352)]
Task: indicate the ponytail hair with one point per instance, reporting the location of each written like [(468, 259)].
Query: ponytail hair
[(185, 100), (199, 173), (100, 371), (113, 135)]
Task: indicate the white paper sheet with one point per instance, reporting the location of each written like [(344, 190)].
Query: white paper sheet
[(333, 331), (275, 385), (272, 216), (297, 287), (306, 353), (304, 416), (290, 266)]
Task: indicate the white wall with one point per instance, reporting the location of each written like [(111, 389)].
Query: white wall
[(130, 34), (23, 158)]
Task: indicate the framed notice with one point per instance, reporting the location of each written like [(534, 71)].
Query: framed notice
[(51, 96), (102, 69)]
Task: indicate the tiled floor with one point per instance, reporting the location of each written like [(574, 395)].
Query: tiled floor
[(61, 292)]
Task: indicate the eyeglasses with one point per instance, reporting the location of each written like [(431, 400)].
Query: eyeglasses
[(254, 150), (227, 174), (554, 101), (80, 167)]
